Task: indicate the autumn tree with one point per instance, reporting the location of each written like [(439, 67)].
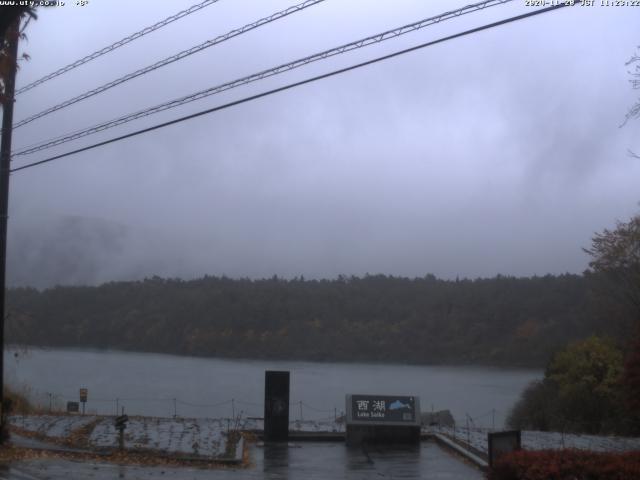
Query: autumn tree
[(616, 254)]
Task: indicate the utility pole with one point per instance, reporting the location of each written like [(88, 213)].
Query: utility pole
[(12, 35)]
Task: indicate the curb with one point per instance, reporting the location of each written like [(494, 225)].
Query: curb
[(472, 457)]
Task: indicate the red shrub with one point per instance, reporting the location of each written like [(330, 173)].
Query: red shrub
[(566, 465)]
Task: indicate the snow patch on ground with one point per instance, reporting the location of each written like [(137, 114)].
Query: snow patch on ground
[(189, 436), (201, 436), (207, 436), (532, 440), (51, 425)]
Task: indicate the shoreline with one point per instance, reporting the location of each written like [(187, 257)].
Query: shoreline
[(250, 359)]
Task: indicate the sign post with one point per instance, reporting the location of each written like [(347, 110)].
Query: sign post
[(121, 424), (84, 393)]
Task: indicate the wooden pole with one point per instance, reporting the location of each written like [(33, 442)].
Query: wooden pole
[(12, 36)]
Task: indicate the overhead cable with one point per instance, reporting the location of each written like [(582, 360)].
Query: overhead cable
[(171, 59), (373, 39), (118, 44), (293, 85)]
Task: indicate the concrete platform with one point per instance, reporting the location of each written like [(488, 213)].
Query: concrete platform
[(304, 461)]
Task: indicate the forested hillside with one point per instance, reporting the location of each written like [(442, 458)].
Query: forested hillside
[(501, 321)]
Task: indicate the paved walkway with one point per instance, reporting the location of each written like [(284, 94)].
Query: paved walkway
[(273, 462)]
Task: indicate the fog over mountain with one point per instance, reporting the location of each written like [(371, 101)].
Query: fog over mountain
[(74, 251)]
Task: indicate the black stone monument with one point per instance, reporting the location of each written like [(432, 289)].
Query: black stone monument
[(276, 406)]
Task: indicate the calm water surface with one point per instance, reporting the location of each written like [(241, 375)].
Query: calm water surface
[(161, 385)]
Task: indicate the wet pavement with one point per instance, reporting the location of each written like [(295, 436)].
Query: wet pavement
[(276, 461)]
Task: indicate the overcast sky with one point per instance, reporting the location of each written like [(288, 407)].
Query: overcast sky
[(499, 152)]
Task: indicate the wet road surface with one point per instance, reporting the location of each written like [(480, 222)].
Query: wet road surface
[(276, 461)]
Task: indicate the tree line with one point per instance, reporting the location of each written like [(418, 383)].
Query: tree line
[(503, 321)]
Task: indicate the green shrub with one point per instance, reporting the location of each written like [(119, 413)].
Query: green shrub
[(582, 391)]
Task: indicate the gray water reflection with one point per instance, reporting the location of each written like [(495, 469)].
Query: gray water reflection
[(385, 461), (275, 460)]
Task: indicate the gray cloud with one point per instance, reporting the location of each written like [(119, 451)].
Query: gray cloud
[(495, 153)]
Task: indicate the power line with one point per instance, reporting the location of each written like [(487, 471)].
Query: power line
[(209, 405), (118, 44), (373, 39), (173, 58), (295, 84)]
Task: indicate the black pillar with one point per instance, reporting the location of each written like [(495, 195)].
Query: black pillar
[(276, 406)]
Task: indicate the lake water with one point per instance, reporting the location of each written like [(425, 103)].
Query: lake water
[(161, 385)]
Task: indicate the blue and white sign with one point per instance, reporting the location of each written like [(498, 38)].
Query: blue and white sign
[(383, 409)]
